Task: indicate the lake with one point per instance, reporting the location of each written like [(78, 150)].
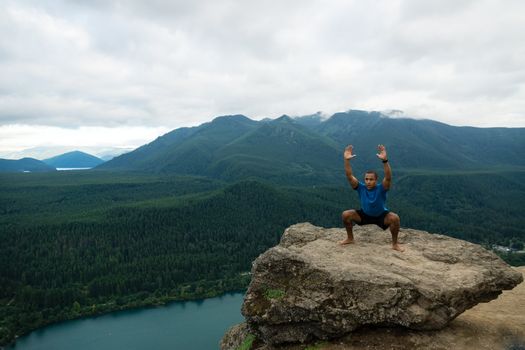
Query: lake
[(196, 325), (68, 169)]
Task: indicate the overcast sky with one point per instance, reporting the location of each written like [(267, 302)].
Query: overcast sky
[(102, 73)]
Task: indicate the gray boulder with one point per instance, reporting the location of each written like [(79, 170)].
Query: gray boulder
[(310, 287)]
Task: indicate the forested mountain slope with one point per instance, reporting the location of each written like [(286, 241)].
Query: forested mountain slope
[(425, 144), (308, 150)]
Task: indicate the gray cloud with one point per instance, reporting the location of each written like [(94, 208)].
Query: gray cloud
[(176, 63)]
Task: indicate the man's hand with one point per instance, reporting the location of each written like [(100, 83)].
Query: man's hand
[(348, 152), (382, 152)]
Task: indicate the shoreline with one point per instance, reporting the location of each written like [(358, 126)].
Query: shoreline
[(112, 307)]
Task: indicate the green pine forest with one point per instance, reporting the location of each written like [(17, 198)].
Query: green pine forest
[(83, 243)]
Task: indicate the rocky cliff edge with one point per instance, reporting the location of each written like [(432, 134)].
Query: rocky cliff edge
[(309, 289)]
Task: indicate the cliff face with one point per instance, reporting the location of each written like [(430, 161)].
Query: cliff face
[(309, 288)]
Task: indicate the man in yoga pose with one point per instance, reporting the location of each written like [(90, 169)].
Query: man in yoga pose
[(372, 197)]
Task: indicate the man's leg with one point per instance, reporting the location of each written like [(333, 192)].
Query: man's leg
[(349, 216), (392, 220)]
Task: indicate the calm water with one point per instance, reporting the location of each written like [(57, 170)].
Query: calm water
[(185, 325), (68, 169)]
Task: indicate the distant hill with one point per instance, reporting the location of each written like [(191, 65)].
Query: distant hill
[(75, 159), (44, 152), (24, 165), (309, 149)]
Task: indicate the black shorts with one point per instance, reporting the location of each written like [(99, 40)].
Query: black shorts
[(376, 220)]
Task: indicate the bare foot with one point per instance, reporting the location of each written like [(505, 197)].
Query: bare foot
[(398, 247), (346, 241)]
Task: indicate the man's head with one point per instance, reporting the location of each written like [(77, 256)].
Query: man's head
[(370, 179)]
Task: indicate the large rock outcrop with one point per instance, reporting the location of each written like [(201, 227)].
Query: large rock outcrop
[(309, 287)]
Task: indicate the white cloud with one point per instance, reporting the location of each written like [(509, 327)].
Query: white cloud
[(47, 141), (179, 63)]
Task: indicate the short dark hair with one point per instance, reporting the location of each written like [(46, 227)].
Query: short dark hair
[(372, 172)]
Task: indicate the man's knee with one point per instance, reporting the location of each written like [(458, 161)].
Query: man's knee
[(392, 219), (348, 215)]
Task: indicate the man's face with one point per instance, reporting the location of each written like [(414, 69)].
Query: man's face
[(370, 181)]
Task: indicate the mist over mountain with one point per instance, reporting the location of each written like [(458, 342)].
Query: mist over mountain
[(109, 153), (309, 148)]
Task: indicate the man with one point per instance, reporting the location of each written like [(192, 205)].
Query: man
[(372, 197)]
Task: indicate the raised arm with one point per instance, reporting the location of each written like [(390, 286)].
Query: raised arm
[(348, 155), (386, 166)]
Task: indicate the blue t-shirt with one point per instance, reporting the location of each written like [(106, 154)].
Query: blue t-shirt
[(372, 201)]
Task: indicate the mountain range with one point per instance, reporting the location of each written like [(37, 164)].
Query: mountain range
[(309, 149), (49, 151), (74, 159), (305, 150), (24, 165)]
